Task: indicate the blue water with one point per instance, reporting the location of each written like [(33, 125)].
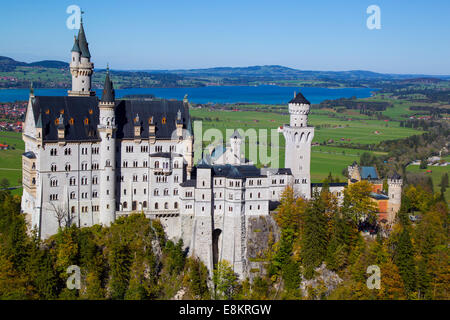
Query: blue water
[(215, 94)]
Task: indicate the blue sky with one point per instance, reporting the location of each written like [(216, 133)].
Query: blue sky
[(172, 34)]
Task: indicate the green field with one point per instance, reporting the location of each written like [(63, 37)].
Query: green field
[(436, 175), (334, 157), (11, 160), (338, 130)]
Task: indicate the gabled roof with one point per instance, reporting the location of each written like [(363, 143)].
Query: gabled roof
[(369, 173), (164, 113), (82, 110), (300, 99)]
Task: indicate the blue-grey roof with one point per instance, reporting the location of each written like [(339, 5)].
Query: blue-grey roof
[(81, 117), (29, 155), (368, 173), (75, 47), (378, 196), (331, 184)]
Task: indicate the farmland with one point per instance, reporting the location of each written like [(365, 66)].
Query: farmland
[(343, 137), (346, 136), (10, 160), (436, 173)]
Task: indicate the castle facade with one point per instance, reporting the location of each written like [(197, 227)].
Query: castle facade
[(90, 160)]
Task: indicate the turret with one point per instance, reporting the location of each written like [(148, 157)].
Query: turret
[(298, 136), (395, 183), (81, 66), (235, 144), (299, 109), (106, 129)]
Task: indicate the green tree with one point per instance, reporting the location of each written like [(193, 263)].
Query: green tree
[(315, 236), (404, 259), (226, 284)]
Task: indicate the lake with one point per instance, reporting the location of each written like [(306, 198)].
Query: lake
[(214, 94)]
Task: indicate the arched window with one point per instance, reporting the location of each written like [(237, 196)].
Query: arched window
[(144, 204), (163, 121), (124, 205), (156, 164), (175, 205), (166, 205), (156, 205)]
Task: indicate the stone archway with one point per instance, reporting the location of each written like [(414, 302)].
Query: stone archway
[(216, 237)]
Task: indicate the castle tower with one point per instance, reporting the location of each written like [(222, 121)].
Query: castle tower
[(203, 223), (106, 129), (235, 145), (81, 66), (395, 183), (298, 136)]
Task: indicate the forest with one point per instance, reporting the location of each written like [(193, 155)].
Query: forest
[(319, 240)]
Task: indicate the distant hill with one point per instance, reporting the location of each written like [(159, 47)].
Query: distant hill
[(285, 73), (49, 64), (55, 74), (9, 64)]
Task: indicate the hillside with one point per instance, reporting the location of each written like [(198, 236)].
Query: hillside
[(55, 74)]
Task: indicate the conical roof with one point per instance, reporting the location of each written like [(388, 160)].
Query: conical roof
[(300, 99), (108, 94), (75, 47), (82, 42)]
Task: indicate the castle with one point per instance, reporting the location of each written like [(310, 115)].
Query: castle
[(90, 160)]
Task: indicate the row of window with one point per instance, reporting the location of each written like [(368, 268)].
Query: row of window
[(84, 166), (68, 151), (144, 205), (96, 150)]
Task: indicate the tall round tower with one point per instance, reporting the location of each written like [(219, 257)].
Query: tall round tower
[(81, 66), (298, 136), (395, 183), (107, 128)]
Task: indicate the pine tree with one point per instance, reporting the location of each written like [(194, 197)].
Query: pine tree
[(315, 236), (404, 259)]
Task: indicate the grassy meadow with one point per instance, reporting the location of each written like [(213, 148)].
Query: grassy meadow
[(436, 175), (11, 160), (338, 130)]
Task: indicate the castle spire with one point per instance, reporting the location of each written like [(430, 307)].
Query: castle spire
[(82, 42), (108, 94), (76, 47)]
